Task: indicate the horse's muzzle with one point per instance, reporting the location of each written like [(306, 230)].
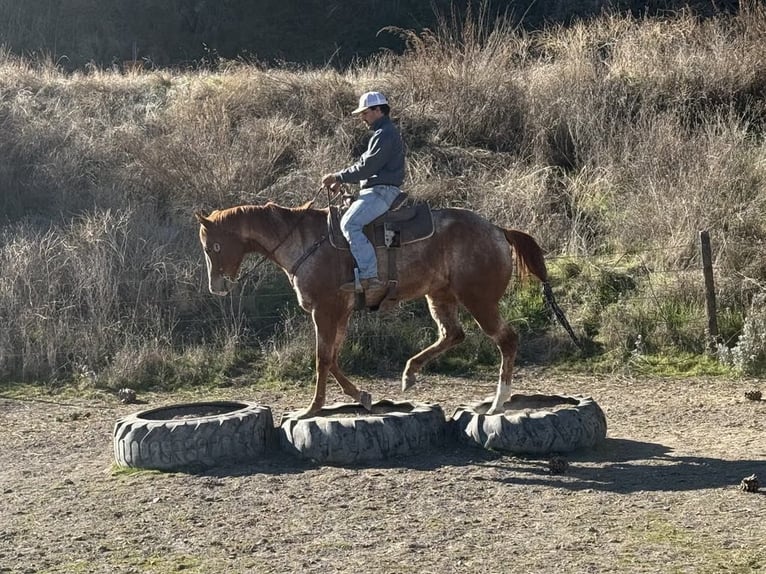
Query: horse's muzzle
[(219, 286)]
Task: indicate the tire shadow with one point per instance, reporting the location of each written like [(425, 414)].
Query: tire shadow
[(453, 454), (616, 465), (625, 466)]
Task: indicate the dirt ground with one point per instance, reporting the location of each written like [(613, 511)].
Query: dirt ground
[(659, 495)]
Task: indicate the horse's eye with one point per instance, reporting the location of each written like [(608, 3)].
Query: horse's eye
[(216, 247)]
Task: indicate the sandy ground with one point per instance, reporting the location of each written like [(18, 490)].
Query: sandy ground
[(659, 495)]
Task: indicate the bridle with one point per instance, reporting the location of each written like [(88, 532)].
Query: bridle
[(308, 253)]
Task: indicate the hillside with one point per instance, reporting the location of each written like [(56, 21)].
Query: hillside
[(612, 141), (188, 33)]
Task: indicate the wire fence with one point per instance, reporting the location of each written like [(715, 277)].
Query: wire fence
[(258, 305)]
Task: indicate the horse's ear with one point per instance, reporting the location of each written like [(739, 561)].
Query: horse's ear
[(204, 221)]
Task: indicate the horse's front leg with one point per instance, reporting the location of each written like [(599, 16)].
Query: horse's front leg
[(323, 357), (330, 330), (361, 396), (320, 388)]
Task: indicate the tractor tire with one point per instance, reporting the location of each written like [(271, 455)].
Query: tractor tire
[(533, 424), (194, 435), (348, 434)]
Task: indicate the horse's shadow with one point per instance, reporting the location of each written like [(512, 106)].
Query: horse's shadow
[(616, 465)]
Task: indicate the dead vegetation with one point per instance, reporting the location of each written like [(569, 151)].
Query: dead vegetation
[(612, 141)]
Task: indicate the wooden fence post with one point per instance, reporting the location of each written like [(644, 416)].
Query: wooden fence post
[(707, 271)]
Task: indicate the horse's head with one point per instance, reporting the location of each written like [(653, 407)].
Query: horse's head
[(224, 252)]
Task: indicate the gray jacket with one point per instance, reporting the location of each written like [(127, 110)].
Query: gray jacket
[(382, 163)]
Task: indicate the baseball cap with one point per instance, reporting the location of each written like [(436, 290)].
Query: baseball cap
[(369, 100)]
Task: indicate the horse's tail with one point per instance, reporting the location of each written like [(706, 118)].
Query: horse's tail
[(528, 253), (532, 261)]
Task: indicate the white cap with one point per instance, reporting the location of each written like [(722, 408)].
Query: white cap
[(370, 100)]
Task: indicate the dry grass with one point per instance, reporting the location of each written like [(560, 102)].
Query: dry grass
[(608, 137)]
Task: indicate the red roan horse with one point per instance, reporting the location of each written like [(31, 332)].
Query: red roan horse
[(466, 262)]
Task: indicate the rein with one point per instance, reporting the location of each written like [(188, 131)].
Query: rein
[(310, 251)]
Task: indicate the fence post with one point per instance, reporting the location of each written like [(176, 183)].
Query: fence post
[(707, 271)]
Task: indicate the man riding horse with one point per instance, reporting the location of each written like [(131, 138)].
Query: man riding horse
[(380, 173), (467, 263)]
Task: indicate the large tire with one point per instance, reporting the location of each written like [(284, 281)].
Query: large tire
[(533, 424), (194, 435), (348, 434)]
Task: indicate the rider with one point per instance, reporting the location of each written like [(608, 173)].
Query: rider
[(380, 173)]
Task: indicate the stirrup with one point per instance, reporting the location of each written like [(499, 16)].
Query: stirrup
[(350, 287)]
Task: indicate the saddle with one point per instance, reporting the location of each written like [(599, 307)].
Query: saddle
[(399, 226)]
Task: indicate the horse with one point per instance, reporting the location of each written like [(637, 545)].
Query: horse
[(466, 262)]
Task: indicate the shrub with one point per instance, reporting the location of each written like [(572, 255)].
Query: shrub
[(748, 355)]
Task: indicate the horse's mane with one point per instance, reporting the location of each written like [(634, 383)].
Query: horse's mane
[(270, 216), (270, 209)]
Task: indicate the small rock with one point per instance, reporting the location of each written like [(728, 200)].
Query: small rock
[(749, 484), (558, 465), (127, 396), (754, 395)]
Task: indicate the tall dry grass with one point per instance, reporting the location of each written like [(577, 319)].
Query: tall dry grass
[(613, 141)]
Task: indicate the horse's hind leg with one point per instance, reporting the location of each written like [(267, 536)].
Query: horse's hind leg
[(507, 340), (444, 310)]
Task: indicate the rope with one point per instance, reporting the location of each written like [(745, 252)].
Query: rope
[(548, 292)]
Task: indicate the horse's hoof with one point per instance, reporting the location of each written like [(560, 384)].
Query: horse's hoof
[(408, 381), (304, 413), (365, 399), (496, 410)]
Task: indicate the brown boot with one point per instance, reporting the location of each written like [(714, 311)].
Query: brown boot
[(374, 291)]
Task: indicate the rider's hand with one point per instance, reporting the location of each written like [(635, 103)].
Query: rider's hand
[(330, 181)]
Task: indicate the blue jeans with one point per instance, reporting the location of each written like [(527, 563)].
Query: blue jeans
[(372, 203)]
